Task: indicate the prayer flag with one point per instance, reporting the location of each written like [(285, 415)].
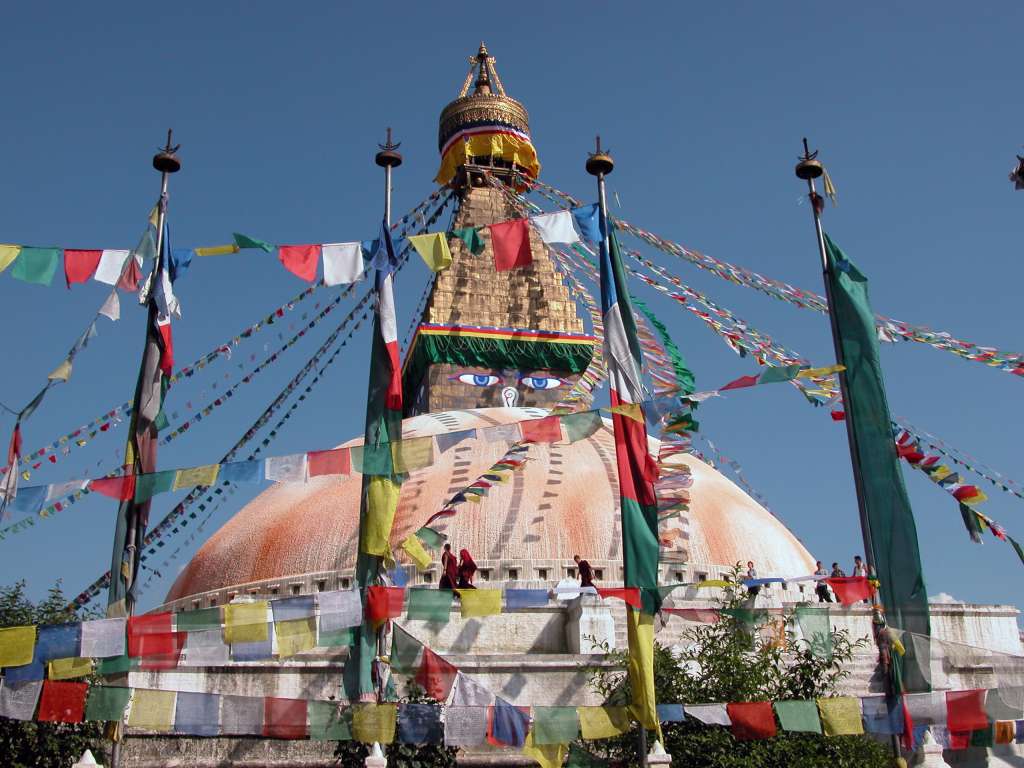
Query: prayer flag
[(294, 636), (8, 253), (107, 702), (926, 708), (555, 725), (241, 471), (17, 645), (287, 469), (752, 720), (556, 228), (197, 714), (840, 716), (69, 669), (246, 622), (405, 651), (374, 723), (965, 710), (507, 726), (103, 638), (284, 718), (468, 235), (850, 589), (882, 715), (335, 462), (241, 716), (814, 625), (18, 700), (465, 726), (510, 241), (579, 426), (1004, 731), (546, 430), (545, 755), (603, 722), (640, 667), (773, 374), (79, 266), (383, 603), (480, 602), (200, 620), (896, 555), (343, 263), (222, 250), (469, 693), (447, 440), (244, 241), (152, 710), (433, 249), (709, 714), (671, 713), (516, 599), (740, 383), (206, 648), (188, 478), (300, 260), (629, 595), (117, 665), (435, 676), (181, 260), (36, 265), (587, 219), (62, 702), (430, 604), (149, 485), (412, 453), (430, 537), (340, 609), (121, 487), (110, 266), (329, 721), (420, 724)]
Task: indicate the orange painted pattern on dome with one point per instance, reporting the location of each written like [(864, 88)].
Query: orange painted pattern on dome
[(563, 502)]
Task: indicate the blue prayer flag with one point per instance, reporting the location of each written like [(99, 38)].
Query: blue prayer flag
[(241, 472), (420, 724), (451, 439), (29, 500), (197, 714), (525, 598), (670, 713), (882, 716), (290, 608), (253, 651), (181, 259), (58, 641), (587, 220), (507, 725)]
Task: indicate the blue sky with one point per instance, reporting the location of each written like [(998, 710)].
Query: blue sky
[(915, 107)]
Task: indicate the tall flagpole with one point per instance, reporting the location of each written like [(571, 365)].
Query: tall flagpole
[(167, 162), (600, 164)]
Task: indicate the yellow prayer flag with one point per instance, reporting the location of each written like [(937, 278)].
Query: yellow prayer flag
[(545, 755), (381, 503), (474, 497), (630, 411), (480, 602), (374, 723), (246, 622), (433, 249), (603, 722), (940, 473), (975, 499), (67, 669), (813, 373), (412, 453), (8, 253), (713, 583), (154, 215), (840, 716), (414, 549), (640, 666), (295, 636), (62, 372), (217, 250), (205, 475), (152, 710), (17, 645)]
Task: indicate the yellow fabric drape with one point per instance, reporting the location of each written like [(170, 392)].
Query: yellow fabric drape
[(414, 549), (374, 723), (501, 145), (433, 249), (17, 646), (480, 602), (294, 636), (381, 503), (603, 722), (640, 633), (840, 716), (246, 623)]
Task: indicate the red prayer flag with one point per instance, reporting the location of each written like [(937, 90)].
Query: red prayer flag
[(965, 492), (702, 615), (130, 275), (150, 633), (740, 383), (435, 676), (284, 718), (838, 415), (752, 720), (300, 260), (959, 740), (154, 659), (383, 603), (510, 241), (850, 589), (965, 710), (62, 702), (336, 462), (79, 266), (121, 487), (546, 430), (629, 595)]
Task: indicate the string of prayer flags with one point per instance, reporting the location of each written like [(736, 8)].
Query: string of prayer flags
[(36, 265), (433, 249), (80, 265), (555, 725), (107, 702), (510, 241), (329, 721), (545, 430), (18, 700), (480, 602), (197, 714)]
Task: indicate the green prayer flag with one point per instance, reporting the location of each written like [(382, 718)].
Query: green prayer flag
[(983, 737), (430, 604), (895, 552), (329, 721), (149, 485), (198, 621), (471, 237), (36, 265), (1017, 548), (773, 374), (684, 376), (405, 651), (971, 523), (116, 665), (814, 624), (337, 638), (431, 538), (107, 702), (372, 459), (745, 616), (555, 725), (244, 241), (579, 426), (798, 716)]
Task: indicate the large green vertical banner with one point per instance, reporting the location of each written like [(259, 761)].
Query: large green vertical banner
[(896, 556)]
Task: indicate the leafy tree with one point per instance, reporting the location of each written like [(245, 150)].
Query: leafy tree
[(747, 655), (43, 745)]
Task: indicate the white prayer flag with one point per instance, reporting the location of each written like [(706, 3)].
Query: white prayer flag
[(18, 701), (59, 490), (507, 432), (465, 726), (111, 264), (926, 708), (343, 263), (556, 228), (103, 638), (340, 609), (709, 714), (469, 693), (112, 307), (206, 648), (287, 469)]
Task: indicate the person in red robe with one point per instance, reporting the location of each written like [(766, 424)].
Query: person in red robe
[(467, 568), (449, 569)]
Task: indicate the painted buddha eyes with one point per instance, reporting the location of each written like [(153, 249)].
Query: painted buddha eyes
[(478, 379), (541, 382)]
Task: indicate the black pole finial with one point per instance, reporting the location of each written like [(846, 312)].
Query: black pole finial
[(165, 160), (599, 162), (388, 157), (809, 167)]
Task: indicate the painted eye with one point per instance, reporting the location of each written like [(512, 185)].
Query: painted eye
[(541, 382), (478, 379)]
